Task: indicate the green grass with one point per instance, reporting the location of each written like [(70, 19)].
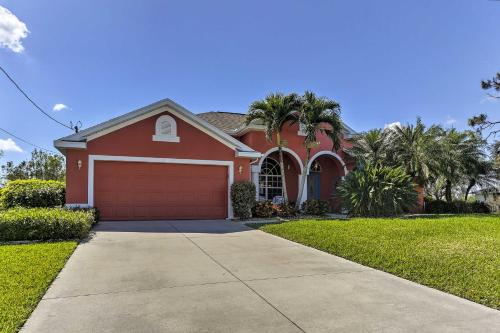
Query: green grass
[(459, 255), (26, 272)]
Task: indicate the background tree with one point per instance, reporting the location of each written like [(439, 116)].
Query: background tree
[(42, 165), (274, 111), (482, 122), (370, 147), (413, 147), (460, 153), (318, 115)]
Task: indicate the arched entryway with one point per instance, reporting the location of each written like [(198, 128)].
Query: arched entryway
[(267, 179), (325, 171)]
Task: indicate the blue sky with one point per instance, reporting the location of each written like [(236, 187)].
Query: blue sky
[(384, 61)]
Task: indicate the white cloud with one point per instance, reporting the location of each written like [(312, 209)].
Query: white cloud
[(392, 125), (9, 145), (12, 30), (59, 107), (450, 120)]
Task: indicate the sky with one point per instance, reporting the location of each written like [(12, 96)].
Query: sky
[(384, 61)]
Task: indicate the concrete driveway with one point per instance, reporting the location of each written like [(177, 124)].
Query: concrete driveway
[(218, 276)]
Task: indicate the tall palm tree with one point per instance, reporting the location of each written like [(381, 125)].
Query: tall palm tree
[(478, 172), (460, 155), (370, 147), (318, 115), (414, 148), (274, 111)]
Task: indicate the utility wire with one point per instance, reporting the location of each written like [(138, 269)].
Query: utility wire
[(27, 142), (32, 102)]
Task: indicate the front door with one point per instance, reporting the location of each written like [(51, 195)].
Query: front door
[(313, 185)]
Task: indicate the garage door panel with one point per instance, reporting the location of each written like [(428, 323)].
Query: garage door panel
[(141, 191)]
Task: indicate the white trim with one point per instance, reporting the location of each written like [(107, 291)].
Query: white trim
[(70, 144), (329, 153), (287, 150), (93, 158), (251, 154), (166, 138), (249, 128), (76, 205), (165, 105), (129, 122), (154, 113)]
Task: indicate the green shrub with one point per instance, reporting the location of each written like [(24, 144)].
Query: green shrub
[(456, 207), (315, 207), (44, 224), (243, 199), (374, 190), (96, 214), (286, 209), (479, 207), (33, 193), (263, 209)]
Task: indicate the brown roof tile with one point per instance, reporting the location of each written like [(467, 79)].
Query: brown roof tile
[(228, 122)]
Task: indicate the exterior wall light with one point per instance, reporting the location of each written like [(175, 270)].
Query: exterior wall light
[(79, 164), (240, 169)]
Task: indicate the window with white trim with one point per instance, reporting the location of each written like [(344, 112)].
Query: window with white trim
[(270, 185), (166, 129)]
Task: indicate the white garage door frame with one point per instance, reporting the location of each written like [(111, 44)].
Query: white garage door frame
[(136, 159)]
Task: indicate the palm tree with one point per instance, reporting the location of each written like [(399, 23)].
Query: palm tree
[(461, 153), (318, 115), (414, 148), (370, 147), (478, 172), (274, 111)]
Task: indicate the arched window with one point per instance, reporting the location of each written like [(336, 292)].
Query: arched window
[(166, 129), (270, 185)]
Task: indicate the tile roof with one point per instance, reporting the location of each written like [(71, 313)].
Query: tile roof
[(228, 122)]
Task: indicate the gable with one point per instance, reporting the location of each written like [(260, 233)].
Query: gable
[(79, 140), (141, 139)]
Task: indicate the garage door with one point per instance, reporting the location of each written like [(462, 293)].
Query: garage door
[(155, 191)]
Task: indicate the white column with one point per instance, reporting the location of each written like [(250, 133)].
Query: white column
[(304, 190), (255, 179)]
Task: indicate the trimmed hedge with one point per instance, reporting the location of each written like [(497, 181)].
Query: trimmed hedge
[(44, 224), (243, 199), (456, 207), (315, 207), (33, 193), (96, 214)]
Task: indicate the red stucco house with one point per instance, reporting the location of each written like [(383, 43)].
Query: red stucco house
[(164, 162)]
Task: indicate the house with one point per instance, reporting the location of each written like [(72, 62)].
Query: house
[(164, 162)]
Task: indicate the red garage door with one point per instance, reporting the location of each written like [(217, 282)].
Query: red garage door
[(155, 191)]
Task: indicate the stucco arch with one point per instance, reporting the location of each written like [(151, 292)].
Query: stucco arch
[(286, 150), (329, 153)]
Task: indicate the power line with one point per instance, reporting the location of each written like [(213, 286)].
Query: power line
[(33, 102), (27, 142)]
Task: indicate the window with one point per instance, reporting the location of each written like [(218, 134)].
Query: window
[(166, 129), (302, 130), (316, 167), (270, 185)]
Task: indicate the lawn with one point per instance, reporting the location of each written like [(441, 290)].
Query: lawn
[(459, 255), (26, 273)]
